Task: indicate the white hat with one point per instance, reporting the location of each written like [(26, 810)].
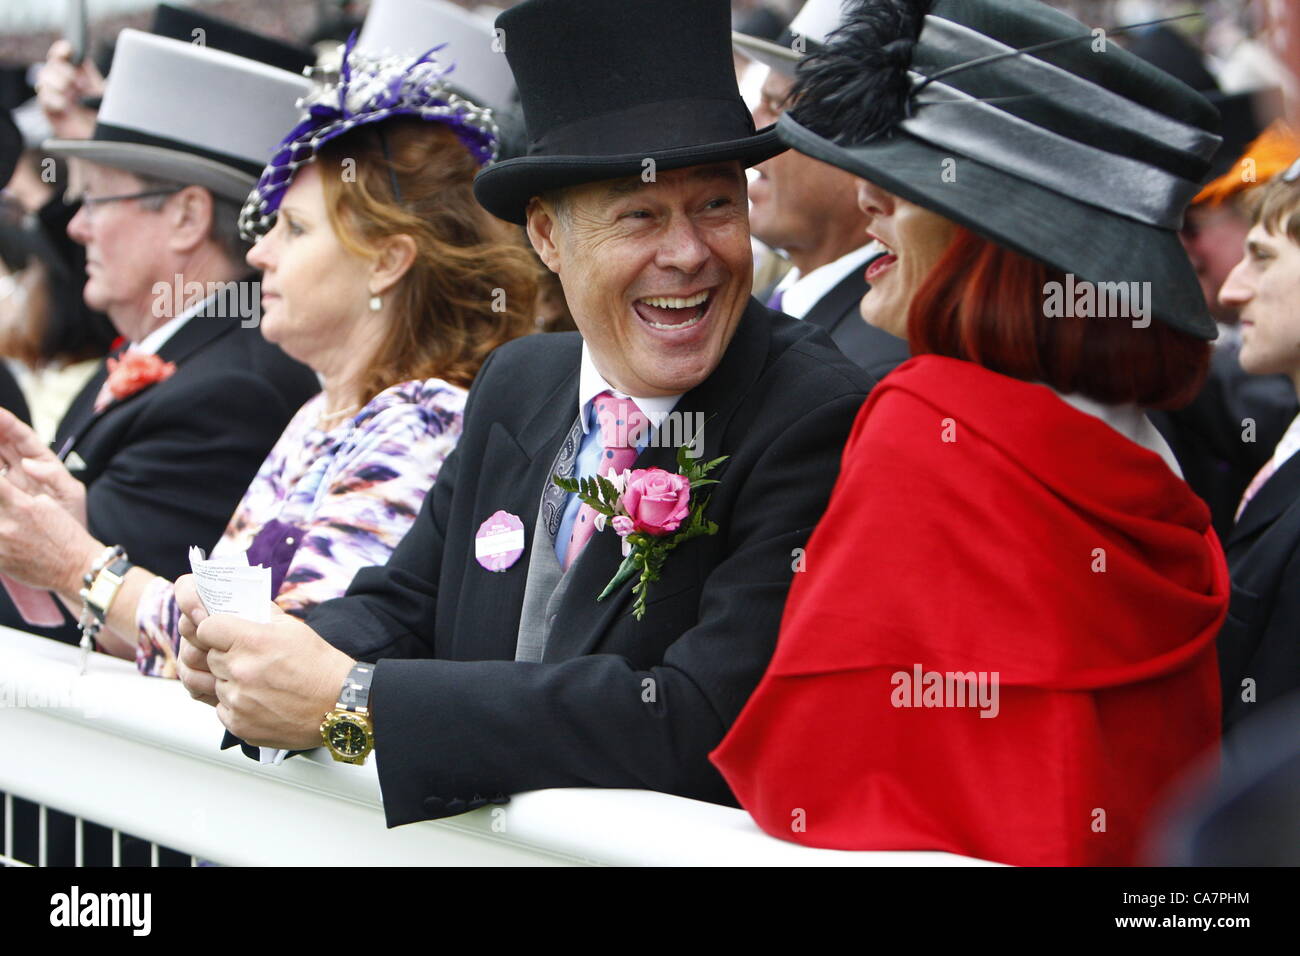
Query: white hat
[(189, 113), (412, 27), (806, 34)]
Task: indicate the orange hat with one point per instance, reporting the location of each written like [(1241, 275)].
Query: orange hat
[(1272, 152)]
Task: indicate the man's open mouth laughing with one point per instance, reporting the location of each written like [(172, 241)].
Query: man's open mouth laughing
[(674, 314)]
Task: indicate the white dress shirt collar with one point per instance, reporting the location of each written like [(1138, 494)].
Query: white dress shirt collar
[(1289, 444), (591, 384), (156, 339), (800, 293), (1130, 421)]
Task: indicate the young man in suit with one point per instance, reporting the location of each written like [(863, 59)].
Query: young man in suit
[(809, 210), (157, 463), (499, 670), (1259, 653), (1230, 429)]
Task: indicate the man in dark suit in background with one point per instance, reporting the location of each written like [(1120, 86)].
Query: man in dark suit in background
[(157, 461), (1259, 645), (499, 670), (809, 210)]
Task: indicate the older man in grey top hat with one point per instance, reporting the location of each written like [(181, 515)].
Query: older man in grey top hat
[(156, 455)]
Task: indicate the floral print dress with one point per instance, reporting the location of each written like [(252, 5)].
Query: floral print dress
[(354, 490)]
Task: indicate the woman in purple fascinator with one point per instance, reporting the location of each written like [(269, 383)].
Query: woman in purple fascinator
[(382, 273)]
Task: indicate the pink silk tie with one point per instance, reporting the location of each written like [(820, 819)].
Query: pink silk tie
[(621, 424)]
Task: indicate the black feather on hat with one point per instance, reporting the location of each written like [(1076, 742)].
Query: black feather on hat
[(860, 87)]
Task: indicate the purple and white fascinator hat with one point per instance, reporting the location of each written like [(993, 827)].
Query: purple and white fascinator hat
[(367, 88)]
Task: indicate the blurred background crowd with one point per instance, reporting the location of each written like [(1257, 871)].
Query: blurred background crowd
[(50, 341)]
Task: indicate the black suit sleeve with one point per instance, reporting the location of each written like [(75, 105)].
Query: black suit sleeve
[(1272, 654), (11, 396), (451, 734), (203, 445)]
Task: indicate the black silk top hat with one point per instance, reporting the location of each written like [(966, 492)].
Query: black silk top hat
[(194, 26), (189, 113), (606, 85), (1021, 124)]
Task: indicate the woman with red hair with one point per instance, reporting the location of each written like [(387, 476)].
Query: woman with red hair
[(1000, 639)]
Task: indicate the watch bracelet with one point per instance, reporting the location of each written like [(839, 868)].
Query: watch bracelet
[(354, 695), (92, 618)]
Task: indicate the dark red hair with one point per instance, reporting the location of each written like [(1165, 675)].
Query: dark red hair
[(984, 303)]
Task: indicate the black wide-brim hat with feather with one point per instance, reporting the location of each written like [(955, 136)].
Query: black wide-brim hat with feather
[(607, 85), (1024, 126)]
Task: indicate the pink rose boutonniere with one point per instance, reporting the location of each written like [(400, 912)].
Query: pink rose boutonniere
[(131, 373), (653, 511)]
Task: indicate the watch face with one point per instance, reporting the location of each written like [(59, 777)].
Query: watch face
[(347, 738)]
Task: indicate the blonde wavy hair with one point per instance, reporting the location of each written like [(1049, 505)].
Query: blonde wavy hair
[(473, 284)]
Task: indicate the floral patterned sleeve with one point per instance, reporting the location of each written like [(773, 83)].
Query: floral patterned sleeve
[(371, 501), (157, 618), (359, 503)]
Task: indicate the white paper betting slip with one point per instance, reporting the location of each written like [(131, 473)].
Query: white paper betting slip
[(232, 586)]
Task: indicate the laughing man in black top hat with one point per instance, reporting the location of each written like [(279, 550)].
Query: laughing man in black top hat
[(499, 670)]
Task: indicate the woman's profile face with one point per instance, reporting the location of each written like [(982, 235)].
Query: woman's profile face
[(315, 291), (915, 239)]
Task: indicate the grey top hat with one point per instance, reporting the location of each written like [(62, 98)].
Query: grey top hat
[(806, 35), (413, 27), (189, 113)]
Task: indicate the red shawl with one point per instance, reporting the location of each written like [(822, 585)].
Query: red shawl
[(982, 524)]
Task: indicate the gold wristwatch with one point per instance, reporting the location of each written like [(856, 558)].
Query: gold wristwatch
[(348, 734)]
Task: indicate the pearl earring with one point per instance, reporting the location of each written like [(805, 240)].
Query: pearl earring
[(376, 303)]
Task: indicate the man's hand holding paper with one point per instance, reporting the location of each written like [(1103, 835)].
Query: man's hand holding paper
[(271, 680)]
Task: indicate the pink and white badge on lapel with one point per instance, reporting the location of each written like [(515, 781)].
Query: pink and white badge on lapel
[(499, 541)]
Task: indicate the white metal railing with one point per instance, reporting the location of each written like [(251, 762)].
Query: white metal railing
[(139, 756)]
